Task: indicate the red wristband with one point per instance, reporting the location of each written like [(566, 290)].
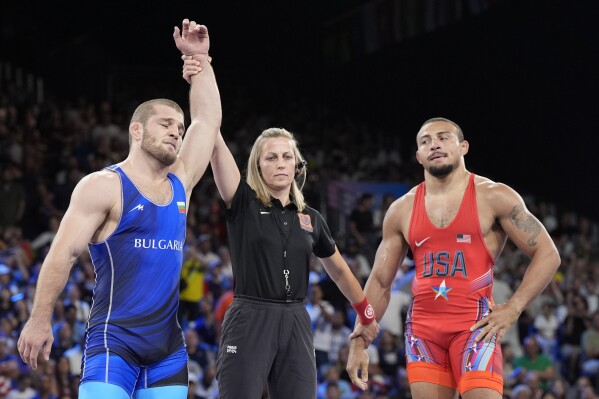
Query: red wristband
[(365, 311)]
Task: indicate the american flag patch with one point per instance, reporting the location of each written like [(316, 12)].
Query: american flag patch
[(464, 238)]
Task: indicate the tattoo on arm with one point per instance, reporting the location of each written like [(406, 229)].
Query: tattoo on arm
[(526, 222)]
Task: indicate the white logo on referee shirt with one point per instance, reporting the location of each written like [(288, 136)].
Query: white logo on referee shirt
[(231, 348), (264, 213)]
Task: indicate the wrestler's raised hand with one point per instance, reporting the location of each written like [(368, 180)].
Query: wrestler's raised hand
[(192, 39)]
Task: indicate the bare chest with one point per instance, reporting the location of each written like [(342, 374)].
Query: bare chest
[(160, 194), (442, 211)]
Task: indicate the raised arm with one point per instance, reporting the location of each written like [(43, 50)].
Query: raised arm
[(204, 105), (91, 201), (389, 255), (225, 170), (530, 236)]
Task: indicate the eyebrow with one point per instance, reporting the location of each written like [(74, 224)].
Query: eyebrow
[(436, 134), (179, 124), (275, 153)]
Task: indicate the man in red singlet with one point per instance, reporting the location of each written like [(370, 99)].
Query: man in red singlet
[(456, 224)]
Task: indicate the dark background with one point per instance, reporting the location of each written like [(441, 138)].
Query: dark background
[(519, 77)]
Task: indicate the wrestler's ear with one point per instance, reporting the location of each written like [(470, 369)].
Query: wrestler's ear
[(418, 158), (136, 130), (464, 147)]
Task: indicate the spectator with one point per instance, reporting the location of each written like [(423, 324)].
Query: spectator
[(12, 197), (572, 329), (205, 324), (590, 351), (208, 386), (9, 374), (47, 387), (511, 375), (391, 354), (64, 378), (329, 335), (332, 376), (333, 391), (193, 386), (546, 324), (357, 262), (206, 255), (70, 317), (522, 391), (23, 389), (559, 389), (191, 286), (222, 304), (533, 360), (202, 354), (318, 309), (361, 226), (584, 389), (82, 308)]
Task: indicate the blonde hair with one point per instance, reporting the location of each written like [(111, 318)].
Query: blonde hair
[(254, 177)]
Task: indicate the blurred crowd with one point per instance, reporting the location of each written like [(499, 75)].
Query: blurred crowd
[(45, 149)]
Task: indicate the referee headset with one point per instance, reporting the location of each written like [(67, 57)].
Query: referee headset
[(300, 173)]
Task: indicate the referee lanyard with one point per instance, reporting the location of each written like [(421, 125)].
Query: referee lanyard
[(284, 243)]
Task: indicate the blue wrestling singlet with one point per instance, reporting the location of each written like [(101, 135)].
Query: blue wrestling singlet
[(135, 300)]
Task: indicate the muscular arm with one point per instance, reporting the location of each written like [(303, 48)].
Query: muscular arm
[(204, 107), (91, 202), (225, 170), (389, 255), (206, 114), (530, 236), (525, 230)]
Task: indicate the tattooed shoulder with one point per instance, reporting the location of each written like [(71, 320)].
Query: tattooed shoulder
[(526, 222)]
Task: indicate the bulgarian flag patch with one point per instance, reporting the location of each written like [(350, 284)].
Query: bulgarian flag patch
[(181, 206)]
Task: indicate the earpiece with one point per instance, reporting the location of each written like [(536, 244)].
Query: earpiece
[(302, 164)]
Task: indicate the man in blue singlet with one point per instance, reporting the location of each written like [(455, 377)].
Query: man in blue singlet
[(131, 216)]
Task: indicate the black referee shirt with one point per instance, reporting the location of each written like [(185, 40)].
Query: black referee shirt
[(257, 238)]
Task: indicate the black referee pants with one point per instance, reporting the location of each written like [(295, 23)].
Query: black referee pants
[(266, 342)]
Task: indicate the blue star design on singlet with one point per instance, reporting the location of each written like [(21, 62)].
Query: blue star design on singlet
[(441, 290)]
